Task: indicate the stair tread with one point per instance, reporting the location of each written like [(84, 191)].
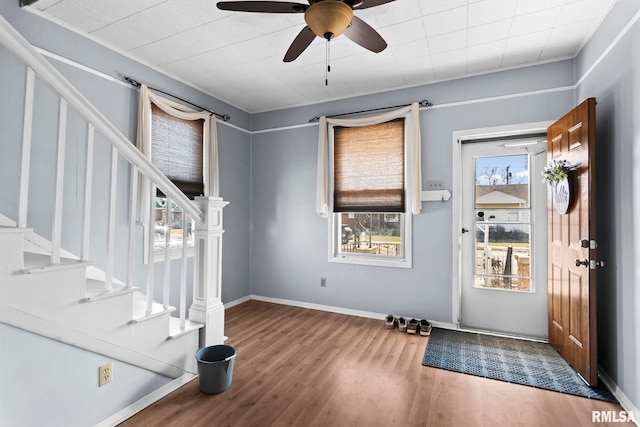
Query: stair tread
[(7, 229), (33, 258), (41, 262), (98, 275), (94, 289), (189, 326), (140, 308)]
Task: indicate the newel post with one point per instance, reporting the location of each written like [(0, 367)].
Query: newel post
[(207, 305)]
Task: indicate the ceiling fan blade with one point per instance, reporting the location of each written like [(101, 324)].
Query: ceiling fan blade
[(366, 4), (263, 6), (300, 43), (363, 34)]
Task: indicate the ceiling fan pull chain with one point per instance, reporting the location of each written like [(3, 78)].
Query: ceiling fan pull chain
[(327, 59)]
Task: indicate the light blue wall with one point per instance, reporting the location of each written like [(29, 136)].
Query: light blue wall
[(289, 241), (615, 83)]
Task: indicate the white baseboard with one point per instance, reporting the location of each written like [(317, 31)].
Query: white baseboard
[(236, 302), (625, 402), (146, 401), (342, 310), (312, 306)]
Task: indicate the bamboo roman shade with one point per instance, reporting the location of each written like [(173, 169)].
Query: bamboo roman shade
[(369, 168), (177, 150)]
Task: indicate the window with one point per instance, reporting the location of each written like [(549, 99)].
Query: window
[(182, 144), (177, 150), (168, 230), (370, 219), (503, 222)]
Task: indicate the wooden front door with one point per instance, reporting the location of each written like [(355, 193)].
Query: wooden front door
[(572, 245)]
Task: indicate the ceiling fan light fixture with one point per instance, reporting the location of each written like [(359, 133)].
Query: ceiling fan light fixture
[(328, 18)]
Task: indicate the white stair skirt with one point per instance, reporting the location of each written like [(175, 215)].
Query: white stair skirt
[(60, 302)]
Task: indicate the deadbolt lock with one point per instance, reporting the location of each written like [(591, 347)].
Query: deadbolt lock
[(590, 264)]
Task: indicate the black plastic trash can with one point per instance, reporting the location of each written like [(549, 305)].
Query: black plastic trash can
[(215, 368)]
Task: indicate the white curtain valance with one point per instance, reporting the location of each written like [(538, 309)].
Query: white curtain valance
[(174, 109), (414, 156)]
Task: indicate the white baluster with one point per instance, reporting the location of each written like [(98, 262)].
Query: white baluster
[(133, 212), (183, 271), (27, 126), (167, 256), (150, 245), (111, 219), (56, 232), (88, 186)]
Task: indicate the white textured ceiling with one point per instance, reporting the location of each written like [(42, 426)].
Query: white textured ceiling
[(237, 57)]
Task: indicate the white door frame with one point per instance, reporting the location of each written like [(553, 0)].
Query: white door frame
[(456, 185)]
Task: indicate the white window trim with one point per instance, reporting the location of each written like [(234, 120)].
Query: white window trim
[(407, 230)]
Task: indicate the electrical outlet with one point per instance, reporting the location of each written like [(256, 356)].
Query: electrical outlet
[(323, 282), (105, 374)]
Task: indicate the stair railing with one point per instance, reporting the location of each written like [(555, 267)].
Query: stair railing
[(206, 212)]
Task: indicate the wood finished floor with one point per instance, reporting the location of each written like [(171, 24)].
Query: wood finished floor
[(302, 367)]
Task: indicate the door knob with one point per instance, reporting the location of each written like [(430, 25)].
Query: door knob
[(600, 264), (584, 262), (464, 230)]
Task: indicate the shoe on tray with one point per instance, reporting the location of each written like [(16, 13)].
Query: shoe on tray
[(390, 322), (412, 327), (402, 324), (425, 328)]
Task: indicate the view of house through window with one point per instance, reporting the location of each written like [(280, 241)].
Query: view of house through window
[(168, 227), (371, 233), (503, 222)]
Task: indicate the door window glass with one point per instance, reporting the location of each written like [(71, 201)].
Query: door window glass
[(502, 226)]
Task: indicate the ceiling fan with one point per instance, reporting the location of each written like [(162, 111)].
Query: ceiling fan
[(325, 18)]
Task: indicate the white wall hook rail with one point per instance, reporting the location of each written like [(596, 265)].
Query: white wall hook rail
[(436, 195)]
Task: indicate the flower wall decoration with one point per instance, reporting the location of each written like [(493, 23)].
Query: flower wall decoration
[(555, 171)]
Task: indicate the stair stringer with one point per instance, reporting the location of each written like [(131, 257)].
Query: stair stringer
[(32, 323)]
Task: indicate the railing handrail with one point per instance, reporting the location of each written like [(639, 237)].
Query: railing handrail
[(47, 73)]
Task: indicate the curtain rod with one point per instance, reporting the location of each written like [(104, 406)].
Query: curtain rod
[(424, 103), (135, 83)]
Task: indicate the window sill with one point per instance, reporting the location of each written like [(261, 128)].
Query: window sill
[(376, 262)]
